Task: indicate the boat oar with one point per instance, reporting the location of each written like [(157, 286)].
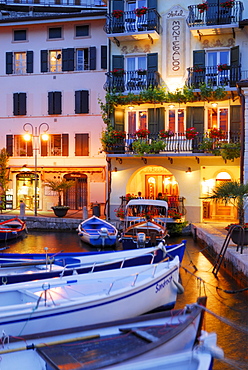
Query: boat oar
[(40, 345), (24, 263)]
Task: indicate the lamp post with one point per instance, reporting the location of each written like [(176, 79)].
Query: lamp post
[(35, 135)]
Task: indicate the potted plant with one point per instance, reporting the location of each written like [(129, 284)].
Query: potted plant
[(140, 11), (202, 7), (117, 13), (142, 133), (140, 147), (113, 140), (223, 67), (191, 133), (118, 72), (235, 193), (216, 133), (59, 186), (157, 146), (227, 4), (164, 134)]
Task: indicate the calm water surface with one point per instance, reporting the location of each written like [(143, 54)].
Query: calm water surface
[(232, 307)]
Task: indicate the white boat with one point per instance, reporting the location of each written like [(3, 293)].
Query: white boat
[(15, 269), (68, 302), (119, 344), (97, 232)]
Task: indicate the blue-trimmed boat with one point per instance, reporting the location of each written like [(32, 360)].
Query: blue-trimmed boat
[(12, 229)]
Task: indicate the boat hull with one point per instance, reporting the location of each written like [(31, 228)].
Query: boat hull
[(61, 303), (12, 229)]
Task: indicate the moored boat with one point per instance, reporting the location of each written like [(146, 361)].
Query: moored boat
[(12, 229), (67, 302), (121, 344), (97, 232)]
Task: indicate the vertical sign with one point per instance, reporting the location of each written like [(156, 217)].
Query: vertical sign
[(176, 41)]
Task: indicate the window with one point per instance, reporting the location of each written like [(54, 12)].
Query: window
[(82, 31), (176, 120), (54, 102), (218, 118), (215, 76), (19, 104), (19, 63), (81, 101), (20, 35), (136, 120), (55, 61), (82, 144), (22, 148), (57, 145), (55, 33), (82, 59)]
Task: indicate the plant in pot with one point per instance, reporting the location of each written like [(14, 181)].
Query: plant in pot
[(59, 186), (235, 193), (157, 146)]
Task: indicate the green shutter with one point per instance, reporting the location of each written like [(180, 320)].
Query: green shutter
[(92, 58), (104, 63), (15, 104), (43, 60), (235, 68), (195, 118), (22, 103), (57, 102), (119, 119), (118, 61), (30, 58), (235, 118), (117, 5), (152, 4), (9, 62)]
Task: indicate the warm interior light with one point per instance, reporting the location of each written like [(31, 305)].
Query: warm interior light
[(214, 105), (27, 137), (130, 107), (188, 170), (171, 106)]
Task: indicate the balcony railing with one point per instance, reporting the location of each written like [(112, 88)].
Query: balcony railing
[(215, 76), (131, 81), (174, 144), (129, 22), (215, 15), (67, 3)]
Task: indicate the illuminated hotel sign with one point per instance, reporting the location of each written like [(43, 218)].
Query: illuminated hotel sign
[(176, 41)]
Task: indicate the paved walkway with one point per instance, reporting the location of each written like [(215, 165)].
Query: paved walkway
[(212, 234)]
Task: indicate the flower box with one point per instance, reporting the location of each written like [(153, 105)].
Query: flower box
[(140, 11), (202, 7), (227, 4), (117, 13), (191, 133), (118, 72), (142, 133), (223, 67), (166, 134)]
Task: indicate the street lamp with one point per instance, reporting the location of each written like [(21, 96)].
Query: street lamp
[(35, 135)]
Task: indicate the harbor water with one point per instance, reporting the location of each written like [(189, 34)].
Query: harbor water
[(226, 300)]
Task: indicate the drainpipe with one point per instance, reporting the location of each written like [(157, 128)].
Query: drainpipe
[(242, 133)]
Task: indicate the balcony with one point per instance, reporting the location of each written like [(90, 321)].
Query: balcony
[(215, 19), (178, 143), (131, 81), (226, 76), (127, 26)]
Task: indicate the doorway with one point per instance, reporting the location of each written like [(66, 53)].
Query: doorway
[(77, 195), (25, 189)]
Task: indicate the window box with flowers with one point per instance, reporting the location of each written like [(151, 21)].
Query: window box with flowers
[(140, 11), (113, 140), (223, 67), (216, 133), (191, 133), (142, 133), (120, 213), (165, 134), (202, 7), (174, 214), (118, 72), (117, 13), (199, 69), (227, 4)]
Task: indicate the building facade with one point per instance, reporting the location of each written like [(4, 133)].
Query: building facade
[(174, 71), (54, 61)]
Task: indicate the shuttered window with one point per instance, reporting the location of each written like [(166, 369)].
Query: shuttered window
[(81, 144), (104, 56), (9, 145), (19, 104), (81, 101), (54, 102), (92, 58), (55, 33), (82, 31), (68, 59), (20, 35)]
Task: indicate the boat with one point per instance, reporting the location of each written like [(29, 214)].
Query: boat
[(16, 268), (97, 232), (12, 229), (115, 345), (68, 302)]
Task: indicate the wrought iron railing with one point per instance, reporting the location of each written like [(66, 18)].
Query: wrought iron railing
[(215, 14), (129, 22), (178, 143), (215, 76), (131, 80), (69, 3)]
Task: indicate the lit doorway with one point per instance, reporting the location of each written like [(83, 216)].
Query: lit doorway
[(25, 189)]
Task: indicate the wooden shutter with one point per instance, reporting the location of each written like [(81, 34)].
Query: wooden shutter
[(117, 5), (92, 58), (81, 101), (152, 67), (119, 119), (195, 118), (44, 60), (68, 59), (104, 63), (15, 104), (30, 61), (22, 100), (65, 144), (9, 62), (118, 61), (160, 118), (43, 147), (9, 145), (199, 58), (50, 102), (152, 4), (153, 120), (54, 102), (235, 66), (235, 119), (81, 144)]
